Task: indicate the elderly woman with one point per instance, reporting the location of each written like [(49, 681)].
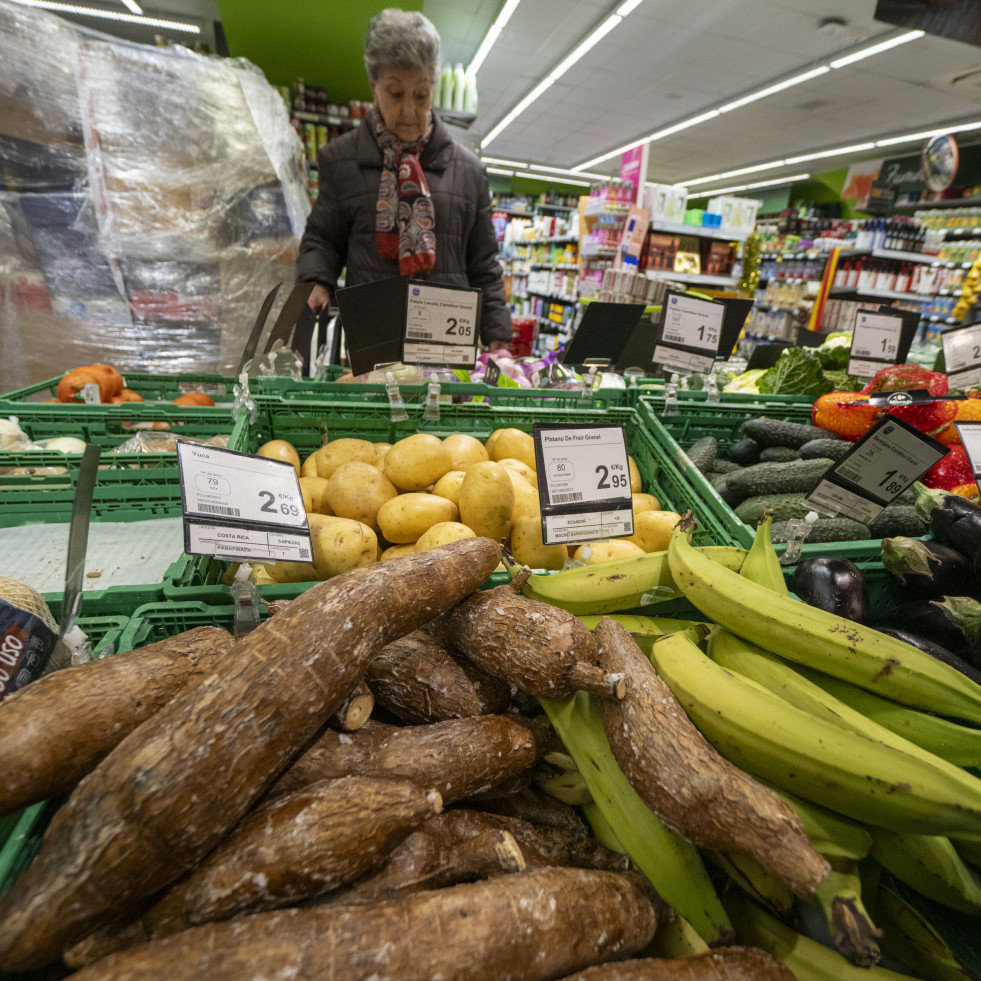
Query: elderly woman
[(398, 195)]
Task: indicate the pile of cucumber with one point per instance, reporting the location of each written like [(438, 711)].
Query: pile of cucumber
[(776, 465)]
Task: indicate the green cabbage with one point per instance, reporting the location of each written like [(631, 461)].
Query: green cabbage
[(798, 371)]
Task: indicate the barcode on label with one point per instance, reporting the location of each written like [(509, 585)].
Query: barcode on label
[(418, 335), (567, 498), (219, 509), (305, 554), (850, 473)]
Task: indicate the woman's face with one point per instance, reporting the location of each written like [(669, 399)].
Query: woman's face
[(404, 96)]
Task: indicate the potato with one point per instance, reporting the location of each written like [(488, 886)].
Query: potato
[(314, 491), (448, 486), (464, 450), (526, 501), (652, 529), (279, 449), (522, 469), (513, 443), (635, 483), (404, 518), (487, 500), (357, 490), (339, 544), (442, 534), (309, 467), (396, 551), (380, 450), (343, 450), (614, 548), (645, 502), (528, 548), (416, 462)]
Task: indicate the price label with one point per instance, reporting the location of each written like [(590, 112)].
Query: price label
[(962, 355), (583, 482), (689, 322), (875, 343), (236, 504), (441, 315), (450, 355), (878, 468), (492, 372), (970, 434), (91, 394)]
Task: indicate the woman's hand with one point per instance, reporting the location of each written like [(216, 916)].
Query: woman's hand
[(498, 346), (319, 298)]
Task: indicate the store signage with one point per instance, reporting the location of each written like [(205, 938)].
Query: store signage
[(238, 506), (970, 434), (876, 470), (962, 355), (583, 482), (879, 339), (441, 325), (691, 334)]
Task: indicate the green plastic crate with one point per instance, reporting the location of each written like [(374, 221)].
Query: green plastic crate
[(153, 387), (724, 422), (130, 486), (648, 387), (305, 424)]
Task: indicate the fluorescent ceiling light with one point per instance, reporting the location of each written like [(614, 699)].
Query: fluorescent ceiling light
[(736, 173), (787, 83), (567, 170), (563, 66), (836, 152), (498, 170), (908, 138), (503, 163), (875, 49), (70, 8), (678, 127), (749, 187), (492, 34), (132, 6)]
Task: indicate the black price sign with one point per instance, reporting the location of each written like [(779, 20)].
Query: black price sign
[(583, 483), (238, 506), (962, 355), (876, 470)]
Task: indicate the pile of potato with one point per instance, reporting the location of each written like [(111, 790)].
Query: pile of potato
[(369, 502)]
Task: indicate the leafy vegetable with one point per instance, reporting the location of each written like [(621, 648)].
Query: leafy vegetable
[(746, 382), (798, 372), (833, 353), (841, 381)]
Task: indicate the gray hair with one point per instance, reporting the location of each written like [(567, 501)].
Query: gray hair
[(404, 38)]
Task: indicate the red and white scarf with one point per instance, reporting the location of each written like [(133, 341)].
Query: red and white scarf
[(405, 221)]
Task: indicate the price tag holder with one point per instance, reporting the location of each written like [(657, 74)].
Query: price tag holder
[(694, 332), (970, 434), (239, 506), (876, 470), (962, 355), (492, 373), (880, 339), (583, 482), (442, 325)]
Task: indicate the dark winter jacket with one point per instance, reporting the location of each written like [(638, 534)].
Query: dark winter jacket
[(341, 228)]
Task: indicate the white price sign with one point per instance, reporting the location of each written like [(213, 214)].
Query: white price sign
[(672, 357), (693, 323), (970, 434), (881, 465), (962, 355), (875, 342), (224, 492), (451, 355), (584, 482), (441, 316)]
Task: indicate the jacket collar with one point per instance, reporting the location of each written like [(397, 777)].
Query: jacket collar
[(436, 156)]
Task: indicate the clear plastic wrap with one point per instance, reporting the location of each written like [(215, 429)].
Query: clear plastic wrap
[(149, 198)]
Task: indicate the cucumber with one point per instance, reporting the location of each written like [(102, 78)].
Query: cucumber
[(829, 449), (719, 483), (798, 476), (723, 466), (779, 454), (826, 530), (702, 452), (745, 452), (784, 507), (776, 432), (896, 520)]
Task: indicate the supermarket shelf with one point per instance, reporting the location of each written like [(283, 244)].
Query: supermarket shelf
[(554, 240), (554, 265), (594, 251), (694, 278), (701, 231), (902, 256), (554, 297), (921, 257), (945, 203), (324, 120), (601, 208), (880, 294), (954, 234)]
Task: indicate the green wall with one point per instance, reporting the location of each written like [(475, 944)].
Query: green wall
[(322, 44)]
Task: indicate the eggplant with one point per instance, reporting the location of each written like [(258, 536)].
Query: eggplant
[(954, 520), (934, 650), (928, 570), (834, 585), (953, 622)]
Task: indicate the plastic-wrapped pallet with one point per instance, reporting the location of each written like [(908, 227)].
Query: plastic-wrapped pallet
[(149, 198)]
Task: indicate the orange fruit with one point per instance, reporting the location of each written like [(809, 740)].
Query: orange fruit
[(126, 395), (76, 380), (193, 399), (968, 410)]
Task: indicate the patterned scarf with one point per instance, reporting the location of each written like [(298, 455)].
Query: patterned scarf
[(405, 222)]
